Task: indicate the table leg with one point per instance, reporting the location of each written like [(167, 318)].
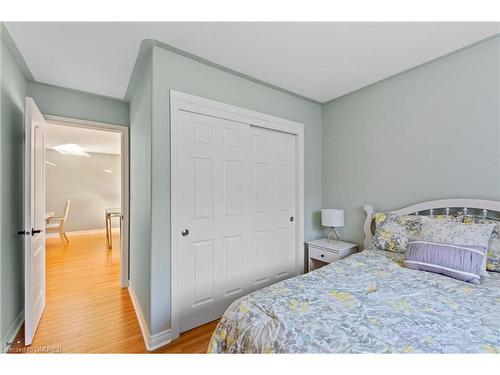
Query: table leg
[(120, 218), (107, 229), (110, 234), (106, 223)]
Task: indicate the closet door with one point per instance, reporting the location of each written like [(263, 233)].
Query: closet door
[(214, 212), (273, 206), (235, 213)]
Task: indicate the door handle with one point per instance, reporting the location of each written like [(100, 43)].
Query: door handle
[(23, 233), (35, 231), (185, 232)]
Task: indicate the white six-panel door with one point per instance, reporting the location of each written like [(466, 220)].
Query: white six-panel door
[(34, 244), (273, 205), (236, 213), (214, 212)]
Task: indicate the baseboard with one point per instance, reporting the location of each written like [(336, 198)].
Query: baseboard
[(81, 232), (12, 333), (152, 342)]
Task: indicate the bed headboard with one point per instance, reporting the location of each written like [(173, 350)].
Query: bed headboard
[(473, 207)]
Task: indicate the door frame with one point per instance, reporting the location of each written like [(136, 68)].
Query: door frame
[(180, 101), (125, 184)]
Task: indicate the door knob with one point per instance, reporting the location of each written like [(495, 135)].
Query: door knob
[(291, 219), (185, 232)]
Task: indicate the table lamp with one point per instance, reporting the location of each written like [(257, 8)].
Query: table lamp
[(332, 218)]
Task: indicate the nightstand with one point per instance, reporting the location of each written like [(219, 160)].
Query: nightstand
[(323, 252)]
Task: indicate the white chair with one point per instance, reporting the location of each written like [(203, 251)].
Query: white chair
[(56, 224)]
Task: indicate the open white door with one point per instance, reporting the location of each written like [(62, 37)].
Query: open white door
[(34, 205)]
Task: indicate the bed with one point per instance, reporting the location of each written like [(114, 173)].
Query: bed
[(391, 309)]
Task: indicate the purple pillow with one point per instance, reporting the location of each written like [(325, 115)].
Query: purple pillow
[(460, 262)]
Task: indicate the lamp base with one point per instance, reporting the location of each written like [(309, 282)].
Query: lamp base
[(333, 236)]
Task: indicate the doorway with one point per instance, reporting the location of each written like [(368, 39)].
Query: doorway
[(88, 161), (77, 201)]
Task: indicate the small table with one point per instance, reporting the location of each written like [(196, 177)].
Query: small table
[(109, 214), (323, 252)]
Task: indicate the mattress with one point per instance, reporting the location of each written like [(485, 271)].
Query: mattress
[(365, 303)]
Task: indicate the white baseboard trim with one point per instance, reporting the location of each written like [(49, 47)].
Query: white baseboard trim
[(12, 333), (155, 341), (81, 232)]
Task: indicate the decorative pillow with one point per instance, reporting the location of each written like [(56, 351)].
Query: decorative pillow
[(460, 262), (456, 233), (392, 232), (459, 233), (493, 254)]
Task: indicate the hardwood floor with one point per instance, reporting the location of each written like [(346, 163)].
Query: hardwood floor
[(86, 310)]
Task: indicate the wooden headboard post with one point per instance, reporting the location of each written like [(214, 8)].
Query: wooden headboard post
[(460, 205)]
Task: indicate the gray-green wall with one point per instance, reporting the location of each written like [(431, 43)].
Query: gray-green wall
[(12, 101), (141, 183), (432, 132), (60, 101)]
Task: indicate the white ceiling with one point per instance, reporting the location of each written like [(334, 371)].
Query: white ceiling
[(91, 140), (320, 61)]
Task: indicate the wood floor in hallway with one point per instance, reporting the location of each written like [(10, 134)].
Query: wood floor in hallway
[(87, 311)]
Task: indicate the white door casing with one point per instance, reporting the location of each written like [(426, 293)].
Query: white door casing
[(34, 244), (237, 187)]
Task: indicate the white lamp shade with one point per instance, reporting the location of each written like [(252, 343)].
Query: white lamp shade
[(331, 217)]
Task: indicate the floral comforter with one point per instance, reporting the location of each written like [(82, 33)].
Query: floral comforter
[(366, 303)]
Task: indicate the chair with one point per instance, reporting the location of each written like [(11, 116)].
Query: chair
[(56, 224)]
